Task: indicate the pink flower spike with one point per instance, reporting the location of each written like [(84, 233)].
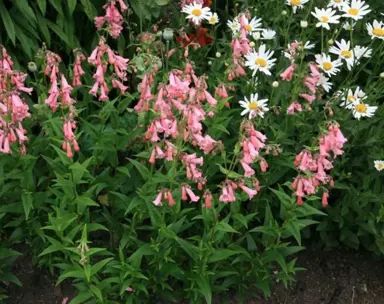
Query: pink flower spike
[(324, 199)]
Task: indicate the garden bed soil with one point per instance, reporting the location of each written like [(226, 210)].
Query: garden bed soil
[(332, 277)]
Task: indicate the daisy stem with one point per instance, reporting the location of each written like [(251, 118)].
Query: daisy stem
[(322, 39)]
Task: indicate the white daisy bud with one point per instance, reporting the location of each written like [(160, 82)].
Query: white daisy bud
[(382, 75), (218, 55), (304, 24), (360, 94), (32, 66), (330, 41), (284, 13), (209, 62), (256, 35), (252, 44), (275, 84)]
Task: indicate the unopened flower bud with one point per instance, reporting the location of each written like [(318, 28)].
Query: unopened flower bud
[(256, 35), (360, 94), (284, 13), (275, 84), (168, 34), (382, 75), (304, 24), (252, 44), (218, 55), (32, 66), (330, 41), (209, 62)]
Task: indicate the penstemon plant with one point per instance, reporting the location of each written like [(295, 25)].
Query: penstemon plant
[(192, 167)]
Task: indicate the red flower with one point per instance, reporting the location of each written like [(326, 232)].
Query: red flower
[(200, 37)]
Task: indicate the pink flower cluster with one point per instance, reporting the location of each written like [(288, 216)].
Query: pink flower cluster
[(314, 167), (77, 68), (311, 83), (112, 18), (252, 142), (13, 109), (120, 66), (60, 96), (229, 187), (240, 46)]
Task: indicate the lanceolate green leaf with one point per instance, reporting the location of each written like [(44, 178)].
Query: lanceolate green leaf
[(8, 23), (42, 5), (72, 6)]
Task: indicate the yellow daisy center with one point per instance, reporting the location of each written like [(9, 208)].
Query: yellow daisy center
[(295, 2), (361, 108), (378, 32), (337, 1), (351, 98), (212, 20), (261, 62), (196, 12), (324, 19), (346, 54), (380, 166), (253, 105), (327, 66), (353, 11), (248, 27)]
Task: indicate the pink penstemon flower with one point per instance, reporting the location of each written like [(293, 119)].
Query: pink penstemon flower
[(13, 109)]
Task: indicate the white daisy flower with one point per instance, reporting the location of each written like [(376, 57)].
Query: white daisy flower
[(196, 12), (356, 10), (260, 61), (363, 110), (351, 98), (362, 52), (323, 82), (379, 165), (254, 106), (268, 34), (327, 65), (296, 4), (234, 26), (308, 45), (344, 51), (376, 30), (325, 17), (348, 26), (213, 18), (252, 26), (338, 3)]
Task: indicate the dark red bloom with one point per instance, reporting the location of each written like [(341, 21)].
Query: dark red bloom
[(200, 37)]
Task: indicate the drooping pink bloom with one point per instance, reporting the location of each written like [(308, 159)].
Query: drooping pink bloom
[(294, 106), (77, 69), (324, 199), (207, 199), (263, 165), (288, 73), (157, 201)]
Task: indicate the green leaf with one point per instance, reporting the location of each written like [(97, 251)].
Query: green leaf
[(294, 229), (59, 32), (97, 292), (6, 253), (72, 6), (89, 9), (220, 254), (141, 168), (27, 200), (81, 297), (42, 6), (205, 288), (26, 10), (9, 277), (190, 249), (162, 2), (228, 173), (8, 23), (223, 226), (57, 5), (79, 274), (99, 265)]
